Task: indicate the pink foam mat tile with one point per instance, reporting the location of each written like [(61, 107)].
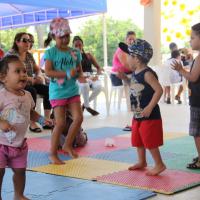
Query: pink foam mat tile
[(93, 147), (168, 182), (38, 144)]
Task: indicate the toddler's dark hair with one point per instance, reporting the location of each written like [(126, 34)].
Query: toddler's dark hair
[(196, 28), (5, 61), (175, 54)]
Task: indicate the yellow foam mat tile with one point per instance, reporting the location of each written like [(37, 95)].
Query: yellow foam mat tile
[(168, 136), (83, 168)]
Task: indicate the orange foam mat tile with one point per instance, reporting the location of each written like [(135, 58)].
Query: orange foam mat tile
[(83, 168), (168, 182)]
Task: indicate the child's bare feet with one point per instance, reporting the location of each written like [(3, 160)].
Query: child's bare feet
[(156, 170), (72, 153), (138, 166), (21, 198), (55, 160)]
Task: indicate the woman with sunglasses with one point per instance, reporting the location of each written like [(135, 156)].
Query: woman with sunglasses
[(21, 46)]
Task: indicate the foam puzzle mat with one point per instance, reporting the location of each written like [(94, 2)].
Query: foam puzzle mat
[(168, 182), (109, 162), (84, 168), (58, 187)]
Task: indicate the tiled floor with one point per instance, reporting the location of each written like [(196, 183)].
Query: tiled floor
[(175, 121)]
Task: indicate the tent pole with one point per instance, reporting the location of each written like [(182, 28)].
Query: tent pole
[(105, 55)]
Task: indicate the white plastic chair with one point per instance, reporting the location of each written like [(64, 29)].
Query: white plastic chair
[(104, 79), (117, 92)]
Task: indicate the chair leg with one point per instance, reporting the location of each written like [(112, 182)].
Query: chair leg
[(120, 95), (127, 95)]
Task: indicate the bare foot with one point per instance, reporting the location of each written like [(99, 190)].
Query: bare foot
[(72, 153), (21, 198), (138, 166), (156, 170), (55, 160)]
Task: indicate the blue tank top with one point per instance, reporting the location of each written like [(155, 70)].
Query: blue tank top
[(145, 94)]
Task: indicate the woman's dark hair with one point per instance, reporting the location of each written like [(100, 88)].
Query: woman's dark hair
[(17, 38), (196, 28), (175, 54), (76, 38), (4, 64), (130, 33), (31, 37), (48, 40)]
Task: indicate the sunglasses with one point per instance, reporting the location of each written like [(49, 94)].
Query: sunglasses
[(25, 40), (64, 36)]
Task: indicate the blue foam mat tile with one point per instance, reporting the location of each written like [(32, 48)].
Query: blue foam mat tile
[(36, 159), (100, 133), (38, 185), (98, 191), (129, 155)]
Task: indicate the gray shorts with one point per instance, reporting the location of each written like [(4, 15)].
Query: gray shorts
[(194, 128)]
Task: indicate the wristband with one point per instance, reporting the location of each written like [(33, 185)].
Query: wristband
[(41, 120), (68, 74)]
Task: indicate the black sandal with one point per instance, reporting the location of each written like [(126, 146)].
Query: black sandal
[(35, 130), (195, 159), (194, 165)]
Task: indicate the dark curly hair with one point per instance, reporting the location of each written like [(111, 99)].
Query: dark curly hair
[(4, 64)]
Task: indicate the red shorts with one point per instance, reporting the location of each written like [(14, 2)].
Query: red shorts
[(64, 102), (147, 133)]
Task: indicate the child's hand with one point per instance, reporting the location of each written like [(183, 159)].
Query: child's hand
[(48, 122), (82, 79), (177, 65), (73, 72), (5, 126), (146, 111), (121, 75)]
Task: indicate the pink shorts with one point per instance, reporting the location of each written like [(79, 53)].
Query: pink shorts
[(147, 133), (64, 102), (13, 157)]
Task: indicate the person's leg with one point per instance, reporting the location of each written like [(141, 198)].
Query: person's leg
[(33, 126), (137, 142), (178, 96), (141, 159), (44, 91), (2, 172), (159, 165), (195, 164), (167, 94), (59, 117), (77, 116), (194, 130), (197, 143), (19, 180), (180, 90), (96, 89), (84, 90)]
